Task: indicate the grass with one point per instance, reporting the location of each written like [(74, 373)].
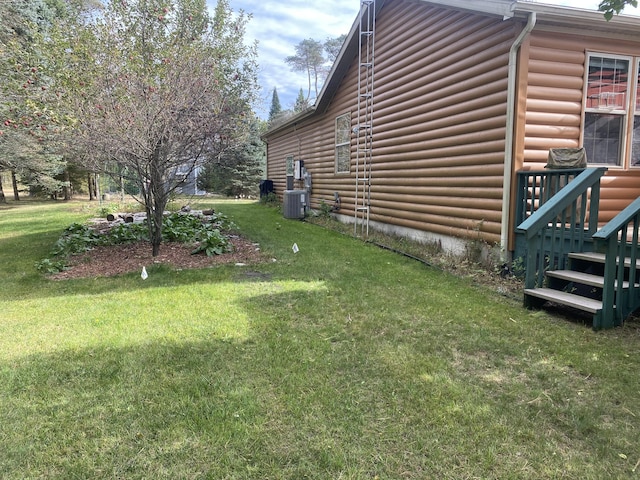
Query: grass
[(341, 361)]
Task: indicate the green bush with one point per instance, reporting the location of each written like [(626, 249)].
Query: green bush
[(207, 237), (126, 233), (212, 242), (76, 238)]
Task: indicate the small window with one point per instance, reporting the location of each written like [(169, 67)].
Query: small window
[(343, 143), (289, 165)]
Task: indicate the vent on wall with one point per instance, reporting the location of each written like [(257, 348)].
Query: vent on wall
[(294, 203)]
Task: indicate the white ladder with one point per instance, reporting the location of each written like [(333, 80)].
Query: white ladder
[(364, 119)]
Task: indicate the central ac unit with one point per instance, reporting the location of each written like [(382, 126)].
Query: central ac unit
[(294, 203)]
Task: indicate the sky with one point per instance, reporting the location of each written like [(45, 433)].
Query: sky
[(279, 25)]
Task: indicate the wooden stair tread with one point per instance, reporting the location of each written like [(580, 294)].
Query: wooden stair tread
[(563, 298), (599, 258), (582, 278)]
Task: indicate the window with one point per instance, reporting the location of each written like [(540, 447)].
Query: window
[(343, 143), (607, 109), (635, 142), (289, 165)]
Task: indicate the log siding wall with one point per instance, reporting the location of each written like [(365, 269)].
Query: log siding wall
[(554, 107), (440, 120), (439, 124)]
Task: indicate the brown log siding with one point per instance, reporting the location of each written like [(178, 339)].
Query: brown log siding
[(440, 120), (554, 105), (439, 124)]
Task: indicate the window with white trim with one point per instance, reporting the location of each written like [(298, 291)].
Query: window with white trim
[(635, 139), (606, 109), (343, 143), (289, 165)]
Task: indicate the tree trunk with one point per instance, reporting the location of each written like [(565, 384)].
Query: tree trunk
[(3, 199), (14, 182), (67, 187), (90, 185)]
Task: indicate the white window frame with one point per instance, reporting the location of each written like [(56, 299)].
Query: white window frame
[(606, 108), (635, 113), (342, 144), (288, 162)]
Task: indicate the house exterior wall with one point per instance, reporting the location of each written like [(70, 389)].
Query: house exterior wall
[(439, 124), (553, 68), (440, 120)]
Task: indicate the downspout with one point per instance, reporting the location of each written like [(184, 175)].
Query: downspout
[(508, 147)]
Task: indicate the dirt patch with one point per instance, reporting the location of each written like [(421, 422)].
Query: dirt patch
[(113, 260)]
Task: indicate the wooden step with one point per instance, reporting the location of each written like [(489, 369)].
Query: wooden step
[(582, 278), (563, 298), (599, 258)]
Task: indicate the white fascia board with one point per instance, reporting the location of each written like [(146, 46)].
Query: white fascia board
[(503, 8)]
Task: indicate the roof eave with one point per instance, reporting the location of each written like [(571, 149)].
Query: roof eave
[(297, 118)]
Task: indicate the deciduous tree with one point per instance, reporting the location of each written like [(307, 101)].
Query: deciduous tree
[(154, 86), (614, 7)]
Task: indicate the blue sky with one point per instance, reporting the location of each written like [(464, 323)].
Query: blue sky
[(279, 25)]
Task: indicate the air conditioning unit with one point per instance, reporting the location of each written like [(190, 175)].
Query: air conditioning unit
[(294, 202)]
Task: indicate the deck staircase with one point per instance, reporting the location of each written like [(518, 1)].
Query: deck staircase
[(568, 261)]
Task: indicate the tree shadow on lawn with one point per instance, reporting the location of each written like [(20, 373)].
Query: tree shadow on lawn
[(262, 403), (293, 393)]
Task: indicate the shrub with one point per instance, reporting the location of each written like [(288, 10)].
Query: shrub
[(76, 238)]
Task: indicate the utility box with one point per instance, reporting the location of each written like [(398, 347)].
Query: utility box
[(294, 203)]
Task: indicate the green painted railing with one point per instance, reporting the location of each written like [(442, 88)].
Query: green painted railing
[(558, 210), (619, 241), (536, 187)]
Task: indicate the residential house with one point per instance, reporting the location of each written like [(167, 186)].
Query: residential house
[(466, 94)]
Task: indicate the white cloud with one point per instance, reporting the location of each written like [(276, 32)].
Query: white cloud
[(279, 26)]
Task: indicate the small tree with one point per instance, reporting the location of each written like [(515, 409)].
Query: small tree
[(301, 103), (154, 87)]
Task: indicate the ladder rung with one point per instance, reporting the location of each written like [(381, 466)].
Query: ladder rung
[(362, 209), (367, 33), (366, 64), (362, 179)]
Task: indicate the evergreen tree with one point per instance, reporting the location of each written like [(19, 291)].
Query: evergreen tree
[(308, 59), (237, 171), (301, 103), (332, 47), (276, 108)]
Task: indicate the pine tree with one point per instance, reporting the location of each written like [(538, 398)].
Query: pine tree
[(276, 109), (237, 171), (301, 103)]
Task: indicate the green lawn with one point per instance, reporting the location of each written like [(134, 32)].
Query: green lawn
[(341, 361)]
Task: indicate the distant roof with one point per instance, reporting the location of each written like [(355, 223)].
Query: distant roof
[(551, 16)]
